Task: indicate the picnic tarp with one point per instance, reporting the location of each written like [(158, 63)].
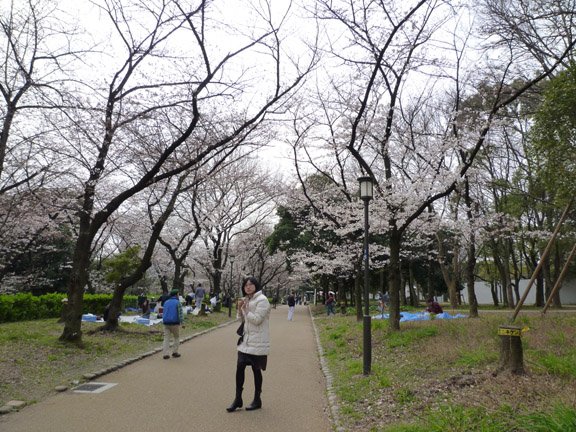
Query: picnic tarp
[(420, 316), (134, 319)]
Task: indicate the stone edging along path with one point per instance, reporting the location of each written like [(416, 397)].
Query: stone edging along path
[(331, 395)]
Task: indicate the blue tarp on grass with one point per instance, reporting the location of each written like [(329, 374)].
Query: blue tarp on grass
[(135, 319), (420, 316)]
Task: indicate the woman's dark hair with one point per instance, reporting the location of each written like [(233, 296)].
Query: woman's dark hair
[(254, 281)]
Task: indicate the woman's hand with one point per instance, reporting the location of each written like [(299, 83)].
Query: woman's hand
[(242, 307)]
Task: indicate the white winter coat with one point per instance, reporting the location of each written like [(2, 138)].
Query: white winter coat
[(256, 326)]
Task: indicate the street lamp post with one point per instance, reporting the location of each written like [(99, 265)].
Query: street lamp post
[(232, 257), (366, 194)]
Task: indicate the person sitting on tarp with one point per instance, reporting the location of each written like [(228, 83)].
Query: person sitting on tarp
[(433, 306), (145, 308)]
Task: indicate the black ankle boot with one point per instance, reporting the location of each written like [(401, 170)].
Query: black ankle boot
[(256, 403), (236, 404)]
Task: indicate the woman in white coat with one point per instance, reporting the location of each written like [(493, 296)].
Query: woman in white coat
[(254, 345)]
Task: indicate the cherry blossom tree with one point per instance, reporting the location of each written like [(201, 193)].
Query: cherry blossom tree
[(35, 241), (39, 50), (420, 160), (236, 200), (158, 99), (257, 260), (158, 215)]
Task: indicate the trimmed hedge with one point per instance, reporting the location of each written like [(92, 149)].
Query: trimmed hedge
[(24, 307)]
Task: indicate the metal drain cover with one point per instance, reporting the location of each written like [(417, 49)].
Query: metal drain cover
[(93, 387)]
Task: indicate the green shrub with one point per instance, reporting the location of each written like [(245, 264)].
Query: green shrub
[(19, 307), (26, 307)]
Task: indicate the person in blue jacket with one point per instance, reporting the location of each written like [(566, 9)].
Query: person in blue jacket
[(172, 318)]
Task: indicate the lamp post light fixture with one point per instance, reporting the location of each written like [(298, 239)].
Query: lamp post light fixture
[(232, 258), (366, 193)]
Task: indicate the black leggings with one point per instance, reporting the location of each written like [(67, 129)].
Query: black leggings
[(240, 374)]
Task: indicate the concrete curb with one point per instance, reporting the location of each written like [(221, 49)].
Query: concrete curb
[(331, 394)]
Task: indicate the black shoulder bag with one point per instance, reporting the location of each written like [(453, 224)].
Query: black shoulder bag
[(240, 332)]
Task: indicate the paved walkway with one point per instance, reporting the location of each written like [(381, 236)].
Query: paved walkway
[(191, 393)]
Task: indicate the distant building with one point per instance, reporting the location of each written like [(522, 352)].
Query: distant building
[(484, 296)]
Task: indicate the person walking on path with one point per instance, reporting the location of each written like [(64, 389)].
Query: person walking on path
[(254, 345), (291, 305), (383, 302), (199, 294), (172, 319), (330, 304)]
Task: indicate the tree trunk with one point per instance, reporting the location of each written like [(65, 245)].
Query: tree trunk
[(471, 262), (429, 286), (494, 292), (115, 308), (78, 279), (6, 126), (470, 279), (163, 284), (179, 275), (348, 291), (501, 260), (216, 277), (540, 298), (507, 281), (450, 277), (63, 311), (402, 291), (394, 279), (120, 291), (531, 260), (411, 286), (137, 274), (517, 271), (341, 295), (516, 290), (453, 292), (550, 279)]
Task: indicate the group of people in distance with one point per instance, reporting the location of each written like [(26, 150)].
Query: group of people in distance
[(196, 296)]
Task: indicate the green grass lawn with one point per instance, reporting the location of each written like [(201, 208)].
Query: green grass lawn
[(442, 375)]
